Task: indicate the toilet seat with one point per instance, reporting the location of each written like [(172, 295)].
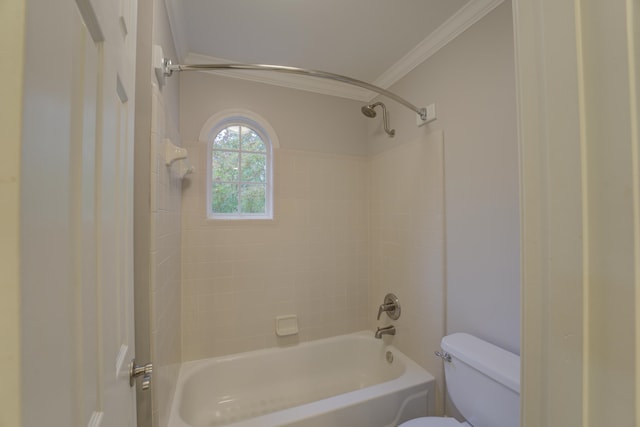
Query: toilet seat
[(433, 422)]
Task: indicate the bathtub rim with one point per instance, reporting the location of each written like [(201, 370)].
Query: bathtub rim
[(413, 377)]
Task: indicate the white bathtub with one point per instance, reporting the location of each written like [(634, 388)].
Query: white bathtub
[(334, 382)]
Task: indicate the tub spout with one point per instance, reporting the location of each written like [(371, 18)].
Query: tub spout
[(387, 330)]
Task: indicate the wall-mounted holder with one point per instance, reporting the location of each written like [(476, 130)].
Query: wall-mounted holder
[(391, 306), (286, 325), (184, 168), (173, 152), (158, 65), (430, 115), (178, 155)]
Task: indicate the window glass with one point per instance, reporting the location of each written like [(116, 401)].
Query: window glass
[(240, 167), (228, 138), (251, 141)]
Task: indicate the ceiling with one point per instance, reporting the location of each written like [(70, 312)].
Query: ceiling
[(377, 41)]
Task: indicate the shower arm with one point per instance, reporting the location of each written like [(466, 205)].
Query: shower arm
[(385, 119), (169, 68)]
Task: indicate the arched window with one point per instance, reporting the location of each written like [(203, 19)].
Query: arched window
[(239, 166)]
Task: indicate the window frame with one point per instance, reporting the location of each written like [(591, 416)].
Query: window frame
[(250, 120)]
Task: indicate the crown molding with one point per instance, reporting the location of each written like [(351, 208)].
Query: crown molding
[(310, 84), (464, 18), (468, 15)]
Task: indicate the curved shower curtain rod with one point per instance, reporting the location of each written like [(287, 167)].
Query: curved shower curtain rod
[(169, 68)]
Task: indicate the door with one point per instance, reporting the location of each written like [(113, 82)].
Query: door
[(76, 211), (579, 125)]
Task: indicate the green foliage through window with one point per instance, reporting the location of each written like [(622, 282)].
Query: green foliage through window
[(239, 172)]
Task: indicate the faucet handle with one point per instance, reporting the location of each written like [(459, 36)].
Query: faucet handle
[(391, 306), (382, 308)]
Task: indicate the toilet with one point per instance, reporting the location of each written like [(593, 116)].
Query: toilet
[(483, 382)]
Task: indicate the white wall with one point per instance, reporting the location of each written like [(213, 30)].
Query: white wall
[(311, 260), (472, 82)]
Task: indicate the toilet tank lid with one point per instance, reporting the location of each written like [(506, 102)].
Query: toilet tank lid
[(493, 361)]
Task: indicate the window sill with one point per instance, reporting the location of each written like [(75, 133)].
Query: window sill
[(243, 221)]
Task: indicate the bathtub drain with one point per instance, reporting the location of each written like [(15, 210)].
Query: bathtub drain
[(389, 356)]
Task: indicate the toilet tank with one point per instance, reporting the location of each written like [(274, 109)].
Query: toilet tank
[(483, 381)]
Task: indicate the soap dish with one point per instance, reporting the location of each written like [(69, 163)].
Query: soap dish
[(286, 325)]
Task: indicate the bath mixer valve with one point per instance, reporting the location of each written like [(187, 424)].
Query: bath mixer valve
[(391, 306)]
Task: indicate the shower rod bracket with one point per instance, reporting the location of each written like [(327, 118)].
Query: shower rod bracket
[(169, 68)]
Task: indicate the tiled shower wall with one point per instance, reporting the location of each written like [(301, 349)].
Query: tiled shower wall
[(407, 247), (164, 262), (311, 260)]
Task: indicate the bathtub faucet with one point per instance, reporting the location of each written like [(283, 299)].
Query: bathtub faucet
[(387, 330)]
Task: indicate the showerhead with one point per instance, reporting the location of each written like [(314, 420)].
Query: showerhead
[(368, 111)]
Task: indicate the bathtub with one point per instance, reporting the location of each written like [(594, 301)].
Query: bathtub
[(349, 380)]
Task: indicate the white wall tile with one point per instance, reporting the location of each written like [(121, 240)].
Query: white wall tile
[(165, 265), (403, 260), (239, 276)]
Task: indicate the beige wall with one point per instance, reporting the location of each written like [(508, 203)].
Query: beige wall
[(12, 21), (311, 260), (472, 82), (303, 120)]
